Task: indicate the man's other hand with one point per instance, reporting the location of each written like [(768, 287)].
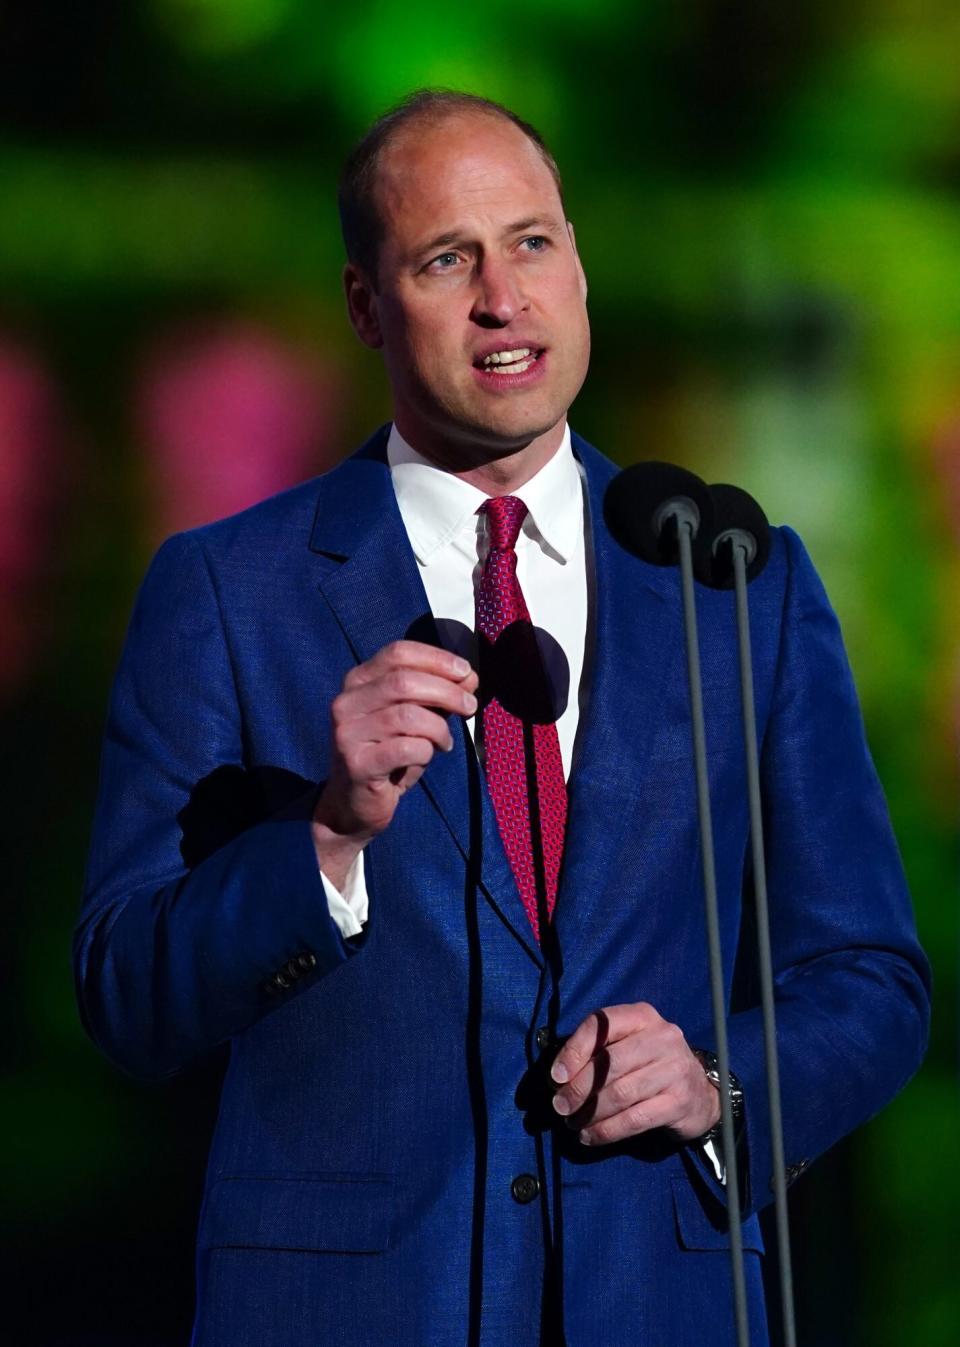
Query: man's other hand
[(387, 721), (626, 1070)]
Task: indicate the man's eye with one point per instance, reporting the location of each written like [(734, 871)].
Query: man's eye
[(537, 243), (445, 261)]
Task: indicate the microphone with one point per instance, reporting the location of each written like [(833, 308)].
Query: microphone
[(737, 553), (662, 513), (646, 504), (738, 522)]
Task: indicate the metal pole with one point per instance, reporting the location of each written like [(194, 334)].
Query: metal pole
[(684, 538), (740, 559)]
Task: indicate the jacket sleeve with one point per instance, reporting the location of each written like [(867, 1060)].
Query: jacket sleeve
[(851, 982), (170, 959)]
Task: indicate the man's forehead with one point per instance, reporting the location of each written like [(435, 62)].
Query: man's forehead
[(443, 166)]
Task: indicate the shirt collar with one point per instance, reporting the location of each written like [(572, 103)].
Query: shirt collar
[(436, 505)]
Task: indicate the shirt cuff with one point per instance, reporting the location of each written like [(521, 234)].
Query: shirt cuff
[(348, 909), (716, 1160)]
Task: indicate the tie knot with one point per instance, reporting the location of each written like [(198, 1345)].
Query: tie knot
[(505, 515)]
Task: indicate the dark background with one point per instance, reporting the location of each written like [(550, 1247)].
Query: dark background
[(767, 202)]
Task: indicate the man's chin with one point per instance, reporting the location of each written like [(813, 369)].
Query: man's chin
[(500, 436), (472, 434)]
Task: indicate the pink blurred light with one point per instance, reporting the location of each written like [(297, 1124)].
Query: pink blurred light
[(230, 415), (30, 480)]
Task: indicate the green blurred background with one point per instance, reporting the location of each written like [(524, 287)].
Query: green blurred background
[(767, 202)]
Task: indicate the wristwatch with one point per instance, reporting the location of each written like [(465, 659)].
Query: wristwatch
[(711, 1068)]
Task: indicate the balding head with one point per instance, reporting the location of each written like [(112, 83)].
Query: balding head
[(360, 216)]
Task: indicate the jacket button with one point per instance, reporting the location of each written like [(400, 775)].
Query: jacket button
[(524, 1188), (543, 1038), (307, 960)]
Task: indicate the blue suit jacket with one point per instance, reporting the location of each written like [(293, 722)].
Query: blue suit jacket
[(377, 1109)]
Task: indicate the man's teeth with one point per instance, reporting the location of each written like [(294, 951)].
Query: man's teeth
[(506, 357), (509, 362)]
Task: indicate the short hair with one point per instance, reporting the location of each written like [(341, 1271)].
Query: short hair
[(360, 220)]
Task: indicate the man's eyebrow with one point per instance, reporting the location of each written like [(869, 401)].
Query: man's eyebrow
[(455, 236), (542, 222), (441, 241)]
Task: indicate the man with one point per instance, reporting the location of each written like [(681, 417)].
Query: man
[(459, 956)]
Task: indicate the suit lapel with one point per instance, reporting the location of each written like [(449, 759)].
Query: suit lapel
[(373, 587), (635, 621)]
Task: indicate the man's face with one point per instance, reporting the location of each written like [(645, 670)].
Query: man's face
[(480, 305)]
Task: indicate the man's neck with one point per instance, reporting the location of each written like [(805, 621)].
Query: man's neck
[(494, 475)]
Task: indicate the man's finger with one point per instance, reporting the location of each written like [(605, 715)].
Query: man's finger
[(409, 655), (399, 719), (604, 1069), (580, 1047), (602, 1027), (622, 1093), (403, 685), (394, 754), (660, 1111)]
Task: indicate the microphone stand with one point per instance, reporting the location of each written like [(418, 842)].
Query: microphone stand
[(743, 549), (687, 523)]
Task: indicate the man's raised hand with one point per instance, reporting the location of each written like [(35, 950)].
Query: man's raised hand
[(387, 722)]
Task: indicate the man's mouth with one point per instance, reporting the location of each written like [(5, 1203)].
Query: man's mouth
[(508, 363)]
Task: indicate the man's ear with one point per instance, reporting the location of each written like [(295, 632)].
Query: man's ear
[(362, 306), (583, 274)]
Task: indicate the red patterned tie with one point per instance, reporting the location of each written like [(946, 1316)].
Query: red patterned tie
[(521, 747)]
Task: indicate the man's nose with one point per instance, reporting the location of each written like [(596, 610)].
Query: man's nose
[(499, 296)]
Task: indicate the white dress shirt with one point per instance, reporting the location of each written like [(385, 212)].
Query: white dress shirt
[(448, 537)]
